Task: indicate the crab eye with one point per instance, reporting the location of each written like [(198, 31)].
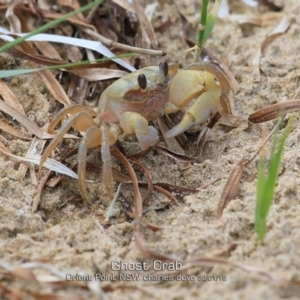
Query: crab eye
[(142, 81), (163, 65)]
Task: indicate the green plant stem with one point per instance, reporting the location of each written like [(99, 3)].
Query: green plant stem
[(46, 26), (201, 31)]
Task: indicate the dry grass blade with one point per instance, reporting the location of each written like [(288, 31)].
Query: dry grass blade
[(89, 71), (271, 5), (165, 192), (149, 180), (112, 44), (9, 97), (274, 111), (98, 74), (14, 22), (85, 43), (232, 121), (10, 293), (29, 125), (202, 138), (48, 61), (136, 8), (15, 132), (172, 144), (281, 28), (47, 49), (51, 83), (179, 191), (138, 203), (37, 198), (176, 156), (74, 20), (231, 186), (233, 181), (183, 157), (36, 147), (35, 159), (257, 20), (163, 188), (97, 168), (73, 4)]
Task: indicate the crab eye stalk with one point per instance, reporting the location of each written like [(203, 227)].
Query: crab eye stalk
[(163, 65), (142, 81)]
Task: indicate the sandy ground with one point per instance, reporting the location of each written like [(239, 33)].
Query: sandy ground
[(66, 235)]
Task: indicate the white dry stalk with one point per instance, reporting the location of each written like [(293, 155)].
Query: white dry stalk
[(84, 43)]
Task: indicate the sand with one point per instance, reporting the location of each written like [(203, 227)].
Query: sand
[(66, 235)]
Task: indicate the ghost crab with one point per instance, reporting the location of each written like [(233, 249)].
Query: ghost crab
[(130, 102)]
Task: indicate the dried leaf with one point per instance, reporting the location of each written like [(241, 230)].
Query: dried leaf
[(136, 8), (138, 203), (274, 111), (14, 22), (15, 132), (172, 144), (98, 74), (35, 159), (36, 147), (257, 20), (179, 191), (176, 156), (23, 273), (37, 198), (87, 44), (9, 97), (271, 5), (51, 83), (231, 186), (50, 15), (202, 138), (29, 125), (73, 4), (161, 190), (149, 180), (281, 28)]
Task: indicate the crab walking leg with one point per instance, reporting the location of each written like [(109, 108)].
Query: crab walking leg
[(132, 122), (81, 121), (108, 138), (75, 109), (204, 106), (91, 139)]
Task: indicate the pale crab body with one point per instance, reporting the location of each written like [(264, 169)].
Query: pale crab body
[(129, 103), (126, 105), (126, 95)]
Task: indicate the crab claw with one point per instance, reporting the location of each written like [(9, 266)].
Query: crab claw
[(200, 111), (187, 122), (148, 140)]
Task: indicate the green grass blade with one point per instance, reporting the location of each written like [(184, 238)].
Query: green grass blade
[(10, 73), (260, 224), (46, 26), (206, 26), (266, 182), (211, 19)]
